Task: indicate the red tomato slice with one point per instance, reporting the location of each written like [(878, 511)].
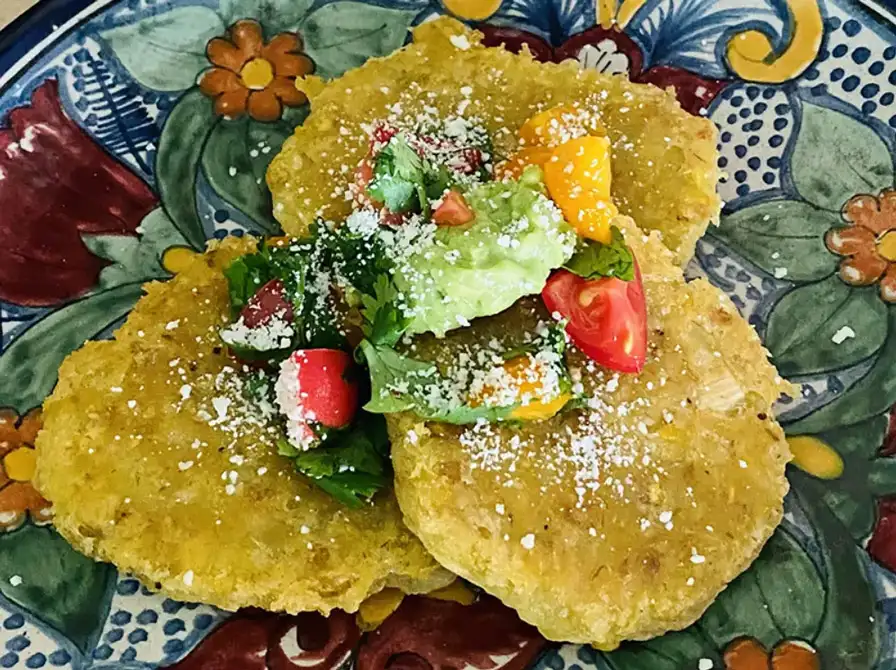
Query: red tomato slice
[(269, 301), (606, 318), (453, 210), (316, 385)]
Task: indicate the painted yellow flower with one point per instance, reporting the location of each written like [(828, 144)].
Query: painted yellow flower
[(18, 498)]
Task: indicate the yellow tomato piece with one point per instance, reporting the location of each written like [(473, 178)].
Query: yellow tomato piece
[(579, 179), (377, 608), (539, 410), (550, 127), (595, 222), (456, 592), (526, 381), (513, 167)]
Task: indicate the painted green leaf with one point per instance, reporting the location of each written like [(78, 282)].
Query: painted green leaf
[(342, 35), (275, 15), (166, 51), (851, 496), (836, 157), (783, 595), (848, 636), (136, 259), (804, 329), (872, 395), (235, 160), (29, 366), (786, 234), (672, 651), (68, 591), (177, 163), (760, 603)]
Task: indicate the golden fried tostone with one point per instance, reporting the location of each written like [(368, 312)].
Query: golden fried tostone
[(625, 519), (139, 477), (664, 159)]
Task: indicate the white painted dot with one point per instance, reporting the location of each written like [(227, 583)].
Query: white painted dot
[(843, 334)]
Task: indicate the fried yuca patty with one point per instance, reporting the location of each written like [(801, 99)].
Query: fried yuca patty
[(153, 464), (664, 159), (624, 519)]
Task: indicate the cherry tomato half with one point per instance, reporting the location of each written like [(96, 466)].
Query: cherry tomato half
[(453, 210), (315, 385), (607, 317)]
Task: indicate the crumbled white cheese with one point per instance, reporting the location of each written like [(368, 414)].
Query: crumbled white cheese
[(460, 42)]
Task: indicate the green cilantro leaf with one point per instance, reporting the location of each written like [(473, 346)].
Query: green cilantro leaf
[(359, 259), (245, 275), (351, 465), (352, 489), (595, 259), (399, 383), (384, 322), (437, 180), (397, 195), (397, 175)]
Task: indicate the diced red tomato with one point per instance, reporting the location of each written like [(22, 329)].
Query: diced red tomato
[(316, 386), (453, 210), (472, 160), (269, 301), (607, 317), (364, 175), (381, 136)]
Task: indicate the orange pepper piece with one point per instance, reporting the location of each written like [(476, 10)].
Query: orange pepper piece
[(551, 127), (513, 167), (578, 178)]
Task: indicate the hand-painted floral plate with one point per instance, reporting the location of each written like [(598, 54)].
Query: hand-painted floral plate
[(114, 168)]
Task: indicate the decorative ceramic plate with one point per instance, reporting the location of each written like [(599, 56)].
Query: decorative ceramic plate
[(114, 168)]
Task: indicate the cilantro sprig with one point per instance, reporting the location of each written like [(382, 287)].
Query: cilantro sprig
[(400, 383), (406, 183), (384, 321), (351, 465), (595, 259)]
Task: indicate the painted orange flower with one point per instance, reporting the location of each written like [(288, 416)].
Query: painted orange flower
[(18, 498), (747, 653), (868, 243), (254, 77)]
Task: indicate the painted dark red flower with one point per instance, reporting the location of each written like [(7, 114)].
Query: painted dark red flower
[(882, 544), (57, 184), (258, 640), (429, 634), (611, 51)]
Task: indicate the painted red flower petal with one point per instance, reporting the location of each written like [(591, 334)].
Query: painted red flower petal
[(694, 92), (578, 46), (258, 640), (429, 634), (312, 642), (513, 40), (56, 184), (882, 545)]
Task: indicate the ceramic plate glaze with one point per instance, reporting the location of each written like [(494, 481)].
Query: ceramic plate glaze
[(115, 168)]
